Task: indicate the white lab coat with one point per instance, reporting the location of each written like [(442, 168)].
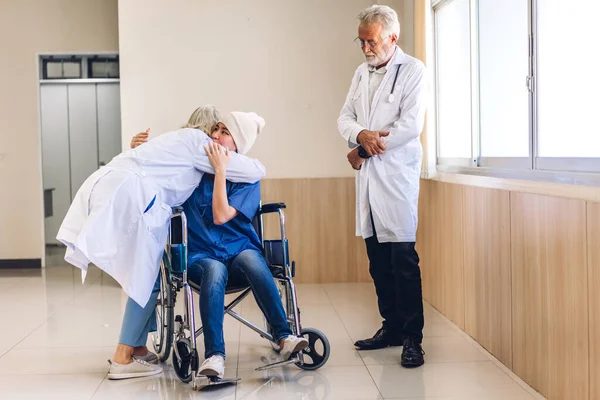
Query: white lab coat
[(106, 223), (388, 184)]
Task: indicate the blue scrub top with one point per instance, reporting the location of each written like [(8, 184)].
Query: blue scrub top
[(221, 242)]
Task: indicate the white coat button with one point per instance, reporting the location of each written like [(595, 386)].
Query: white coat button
[(143, 174)]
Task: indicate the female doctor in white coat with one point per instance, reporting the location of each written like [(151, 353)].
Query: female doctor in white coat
[(120, 216), (383, 114)]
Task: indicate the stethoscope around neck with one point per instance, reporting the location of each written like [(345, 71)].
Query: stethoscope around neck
[(391, 97)]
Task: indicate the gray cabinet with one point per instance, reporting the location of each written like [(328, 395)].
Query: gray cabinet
[(81, 130)]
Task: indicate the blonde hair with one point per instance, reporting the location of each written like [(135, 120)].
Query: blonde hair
[(204, 118)]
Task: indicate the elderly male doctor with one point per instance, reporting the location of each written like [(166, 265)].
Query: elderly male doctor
[(382, 119)]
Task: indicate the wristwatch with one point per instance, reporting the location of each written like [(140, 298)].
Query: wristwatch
[(362, 153)]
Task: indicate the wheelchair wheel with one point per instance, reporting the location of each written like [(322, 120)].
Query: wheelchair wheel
[(318, 350), (185, 367), (163, 337)]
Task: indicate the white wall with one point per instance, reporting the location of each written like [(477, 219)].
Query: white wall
[(171, 62), (28, 27), (290, 61)]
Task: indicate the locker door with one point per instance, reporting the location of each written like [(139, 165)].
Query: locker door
[(55, 157), (109, 121), (82, 133)]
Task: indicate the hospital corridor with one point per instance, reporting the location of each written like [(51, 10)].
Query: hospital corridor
[(299, 199), (67, 330)]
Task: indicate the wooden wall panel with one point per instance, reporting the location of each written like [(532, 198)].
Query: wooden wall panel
[(509, 268), (593, 245), (440, 245), (450, 252), (487, 270), (425, 241), (320, 227), (550, 302)]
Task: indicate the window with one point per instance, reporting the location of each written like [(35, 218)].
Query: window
[(517, 87), (104, 67), (568, 83), (454, 80), (61, 68), (56, 67), (503, 66)]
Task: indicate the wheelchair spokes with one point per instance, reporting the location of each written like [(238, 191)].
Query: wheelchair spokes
[(162, 339), (183, 356), (317, 352)]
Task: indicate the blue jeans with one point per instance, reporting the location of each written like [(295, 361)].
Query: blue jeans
[(212, 277), (138, 321)]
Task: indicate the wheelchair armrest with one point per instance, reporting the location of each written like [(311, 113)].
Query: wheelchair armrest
[(178, 209), (271, 208)]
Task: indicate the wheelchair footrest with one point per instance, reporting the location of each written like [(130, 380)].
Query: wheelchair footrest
[(202, 382), (278, 364)]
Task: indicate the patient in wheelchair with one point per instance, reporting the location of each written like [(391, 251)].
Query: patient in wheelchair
[(223, 247)]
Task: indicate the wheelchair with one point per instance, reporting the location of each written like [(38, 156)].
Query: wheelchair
[(180, 332)]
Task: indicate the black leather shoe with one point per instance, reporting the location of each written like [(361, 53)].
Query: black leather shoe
[(383, 338), (412, 354)]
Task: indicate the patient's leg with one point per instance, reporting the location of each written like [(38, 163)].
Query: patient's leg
[(211, 276), (252, 264)]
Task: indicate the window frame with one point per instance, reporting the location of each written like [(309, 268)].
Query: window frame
[(61, 60), (575, 170), (85, 61), (103, 58)]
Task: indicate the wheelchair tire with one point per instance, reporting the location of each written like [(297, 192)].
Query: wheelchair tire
[(165, 324), (318, 350), (184, 367)]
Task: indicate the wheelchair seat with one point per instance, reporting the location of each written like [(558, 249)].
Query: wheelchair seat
[(239, 284), (229, 289)]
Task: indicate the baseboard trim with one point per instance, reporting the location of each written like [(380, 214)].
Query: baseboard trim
[(23, 263)]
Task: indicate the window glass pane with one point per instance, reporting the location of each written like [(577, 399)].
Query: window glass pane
[(59, 69), (503, 67), (54, 70), (568, 82), (453, 79), (105, 69), (71, 69)]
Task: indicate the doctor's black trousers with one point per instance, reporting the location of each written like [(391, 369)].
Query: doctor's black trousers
[(395, 270)]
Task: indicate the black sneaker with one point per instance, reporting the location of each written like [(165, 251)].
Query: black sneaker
[(412, 354)]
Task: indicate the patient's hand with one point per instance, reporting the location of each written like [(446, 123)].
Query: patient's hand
[(139, 139), (219, 159)]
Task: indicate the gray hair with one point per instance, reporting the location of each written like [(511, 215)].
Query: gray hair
[(384, 15), (204, 118)]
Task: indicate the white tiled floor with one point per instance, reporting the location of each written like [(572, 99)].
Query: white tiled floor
[(59, 333)]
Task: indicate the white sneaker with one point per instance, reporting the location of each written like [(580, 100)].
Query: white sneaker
[(136, 369), (291, 345), (213, 366), (150, 357)]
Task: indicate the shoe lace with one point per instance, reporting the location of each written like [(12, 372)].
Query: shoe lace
[(140, 361), (213, 358)]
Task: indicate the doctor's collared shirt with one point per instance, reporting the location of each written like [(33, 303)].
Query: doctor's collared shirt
[(375, 78)]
